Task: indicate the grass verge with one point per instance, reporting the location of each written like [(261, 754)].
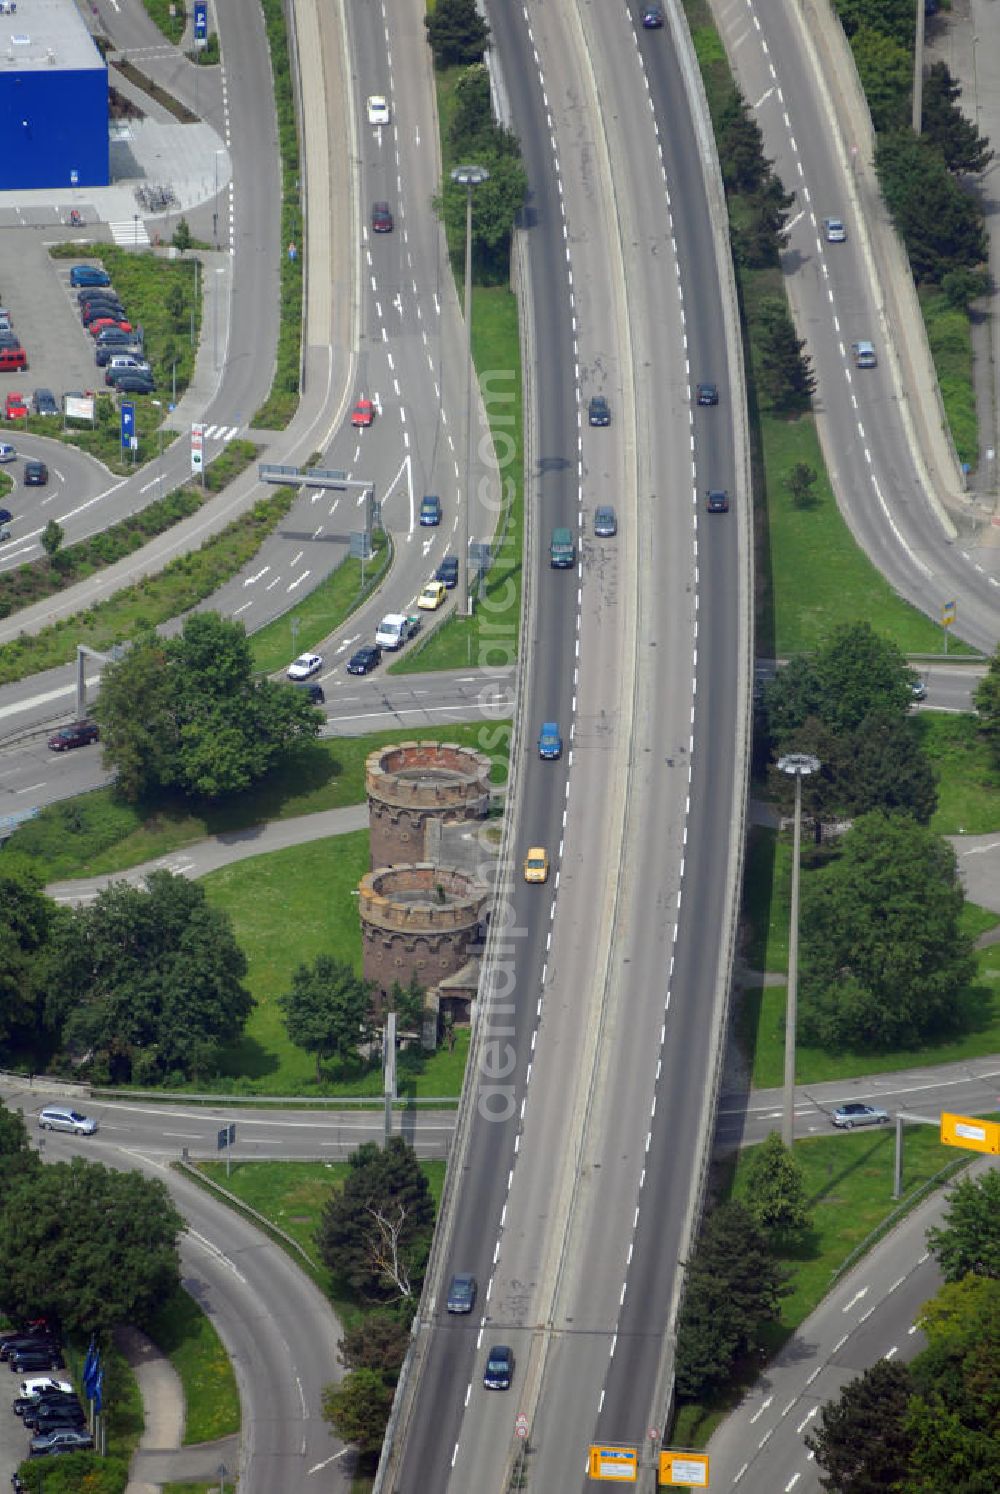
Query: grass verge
[(322, 611), (292, 1196), (186, 1335), (183, 583), (169, 17), (848, 1187), (97, 835), (949, 333), (968, 784), (283, 400)]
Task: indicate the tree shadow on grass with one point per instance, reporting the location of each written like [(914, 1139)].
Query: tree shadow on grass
[(309, 767)]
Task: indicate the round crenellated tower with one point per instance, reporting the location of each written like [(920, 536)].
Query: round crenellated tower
[(418, 921), (415, 784)]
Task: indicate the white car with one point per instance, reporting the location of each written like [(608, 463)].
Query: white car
[(378, 109), (305, 666), (836, 233), (8, 453), (38, 1383)]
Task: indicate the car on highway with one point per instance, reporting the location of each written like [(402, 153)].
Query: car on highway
[(707, 394), (305, 666), (605, 521), (77, 734), (562, 549), (499, 1371), (834, 231), (462, 1293), (717, 501), (44, 402), (381, 217), (62, 1440), (447, 572), (7, 452), (652, 17), (378, 109), (536, 865), (434, 594), (15, 406), (846, 1117), (599, 411), (5, 516), (88, 275), (62, 1118), (430, 511), (864, 354), (550, 740), (36, 474), (363, 413), (364, 660), (918, 690)]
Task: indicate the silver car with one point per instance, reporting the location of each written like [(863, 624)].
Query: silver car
[(59, 1118), (856, 1114)]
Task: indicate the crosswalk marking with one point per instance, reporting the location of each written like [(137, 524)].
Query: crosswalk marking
[(130, 232), (220, 432)]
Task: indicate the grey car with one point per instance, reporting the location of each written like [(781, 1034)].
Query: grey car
[(605, 521), (61, 1118), (462, 1293), (846, 1117), (64, 1440)]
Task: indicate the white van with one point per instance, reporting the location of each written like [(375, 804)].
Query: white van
[(395, 629)]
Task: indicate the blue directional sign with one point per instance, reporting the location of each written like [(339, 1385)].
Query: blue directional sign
[(128, 425), (201, 20)]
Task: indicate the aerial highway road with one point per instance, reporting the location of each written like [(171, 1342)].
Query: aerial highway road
[(866, 441)]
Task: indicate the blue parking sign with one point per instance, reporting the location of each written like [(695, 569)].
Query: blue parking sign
[(201, 20), (128, 425)]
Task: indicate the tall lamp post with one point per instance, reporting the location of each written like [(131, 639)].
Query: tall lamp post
[(799, 765), (158, 405), (467, 177)]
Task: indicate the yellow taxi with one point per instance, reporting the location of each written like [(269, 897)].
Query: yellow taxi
[(433, 594), (536, 865)]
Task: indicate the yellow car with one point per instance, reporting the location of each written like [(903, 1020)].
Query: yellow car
[(536, 865), (433, 594)]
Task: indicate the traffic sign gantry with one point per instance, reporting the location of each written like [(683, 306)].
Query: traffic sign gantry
[(617, 1464)]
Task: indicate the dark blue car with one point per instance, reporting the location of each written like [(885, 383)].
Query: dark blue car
[(549, 740)]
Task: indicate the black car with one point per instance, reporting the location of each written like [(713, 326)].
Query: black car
[(47, 1418), (77, 734), (599, 411), (44, 402), (5, 518), (25, 1342), (381, 218), (310, 688), (652, 17), (25, 1403), (36, 474), (108, 335), (462, 1293), (94, 310), (37, 1358), (105, 351), (364, 660), (499, 1368), (708, 394), (99, 286), (717, 501), (134, 381), (447, 572)]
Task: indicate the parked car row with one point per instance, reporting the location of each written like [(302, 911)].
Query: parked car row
[(49, 1407), (118, 344), (13, 358)]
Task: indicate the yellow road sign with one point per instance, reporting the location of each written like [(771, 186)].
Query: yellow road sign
[(690, 1470), (948, 614), (618, 1464), (972, 1134)]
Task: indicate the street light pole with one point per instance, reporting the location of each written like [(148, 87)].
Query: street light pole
[(158, 404), (468, 177), (799, 765), (215, 203)]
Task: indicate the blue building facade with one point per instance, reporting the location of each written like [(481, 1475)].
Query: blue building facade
[(53, 99)]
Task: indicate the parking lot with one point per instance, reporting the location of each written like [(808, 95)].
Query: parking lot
[(35, 289)]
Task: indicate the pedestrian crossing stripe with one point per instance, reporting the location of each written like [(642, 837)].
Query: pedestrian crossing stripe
[(130, 232), (220, 432)]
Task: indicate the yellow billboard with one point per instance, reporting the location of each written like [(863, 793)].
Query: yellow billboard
[(689, 1470), (617, 1464), (972, 1134)]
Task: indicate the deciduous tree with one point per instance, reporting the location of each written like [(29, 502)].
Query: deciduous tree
[(358, 1408), (457, 33), (884, 957), (326, 1010), (382, 1182), (88, 1245), (969, 1239), (378, 1341), (773, 1192)]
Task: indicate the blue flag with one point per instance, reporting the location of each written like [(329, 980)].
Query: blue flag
[(90, 1361), (92, 1372), (97, 1394)]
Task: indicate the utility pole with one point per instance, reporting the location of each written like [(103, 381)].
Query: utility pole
[(918, 70), (468, 177), (799, 765)]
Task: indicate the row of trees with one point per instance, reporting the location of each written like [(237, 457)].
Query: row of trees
[(922, 178), (933, 1424), (884, 961), (458, 37)]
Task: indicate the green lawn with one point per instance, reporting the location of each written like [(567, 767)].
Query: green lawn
[(812, 575), (967, 782), (189, 1340), (287, 908), (949, 333), (322, 611), (96, 835), (766, 899), (292, 1195)]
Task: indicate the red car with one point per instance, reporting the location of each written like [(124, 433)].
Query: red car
[(15, 407), (107, 321), (363, 413)]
